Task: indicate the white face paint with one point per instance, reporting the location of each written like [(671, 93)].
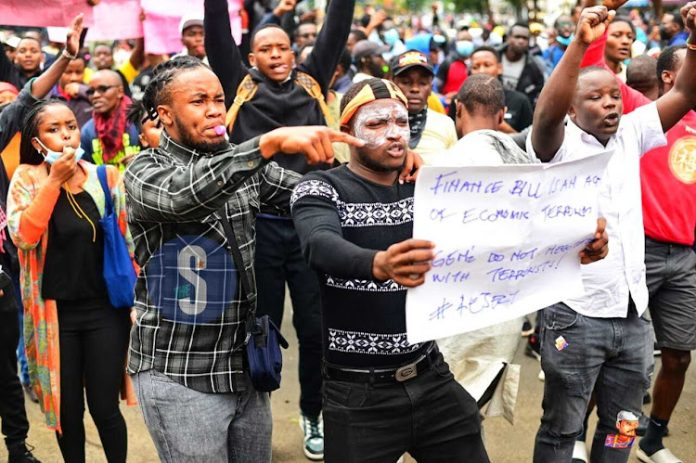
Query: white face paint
[(377, 124)]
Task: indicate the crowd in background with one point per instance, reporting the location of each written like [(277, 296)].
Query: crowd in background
[(70, 104)]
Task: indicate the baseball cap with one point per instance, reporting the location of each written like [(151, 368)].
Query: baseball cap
[(365, 48), (189, 21), (12, 41), (409, 60)]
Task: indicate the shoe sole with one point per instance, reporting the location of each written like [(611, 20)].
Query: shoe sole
[(313, 457)]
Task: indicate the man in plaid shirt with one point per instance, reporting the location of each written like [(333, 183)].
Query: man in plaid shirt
[(187, 346)]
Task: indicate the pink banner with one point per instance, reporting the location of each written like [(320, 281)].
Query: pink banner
[(116, 19), (42, 13), (161, 25)]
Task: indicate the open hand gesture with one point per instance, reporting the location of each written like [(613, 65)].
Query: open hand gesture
[(72, 42), (593, 23)]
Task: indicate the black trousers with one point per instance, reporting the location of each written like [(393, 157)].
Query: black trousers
[(93, 346), (279, 260), (12, 413), (431, 417)]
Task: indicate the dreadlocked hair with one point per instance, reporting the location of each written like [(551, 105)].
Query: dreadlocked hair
[(157, 91)]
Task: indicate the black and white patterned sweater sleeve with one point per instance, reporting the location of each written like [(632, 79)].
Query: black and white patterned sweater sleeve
[(315, 207)]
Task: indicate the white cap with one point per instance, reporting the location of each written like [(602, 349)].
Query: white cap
[(190, 20), (12, 41)]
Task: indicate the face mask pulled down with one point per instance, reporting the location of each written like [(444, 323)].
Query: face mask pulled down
[(51, 156)]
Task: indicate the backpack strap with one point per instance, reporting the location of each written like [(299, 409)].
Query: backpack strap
[(312, 87), (108, 204), (248, 87), (245, 92)]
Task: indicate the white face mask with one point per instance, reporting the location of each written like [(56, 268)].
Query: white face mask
[(391, 114), (51, 156)]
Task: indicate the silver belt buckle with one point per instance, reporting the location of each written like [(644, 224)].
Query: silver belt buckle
[(406, 372)]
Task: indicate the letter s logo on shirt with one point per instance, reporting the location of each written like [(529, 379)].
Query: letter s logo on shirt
[(192, 280), (196, 304)]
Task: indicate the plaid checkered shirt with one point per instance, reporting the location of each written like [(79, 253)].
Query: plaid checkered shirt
[(174, 194)]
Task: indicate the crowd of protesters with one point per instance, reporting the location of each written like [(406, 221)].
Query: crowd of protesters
[(289, 159)]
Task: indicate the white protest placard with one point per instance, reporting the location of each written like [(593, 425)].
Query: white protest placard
[(507, 241)]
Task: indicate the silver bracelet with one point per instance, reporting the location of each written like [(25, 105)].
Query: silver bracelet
[(66, 54)]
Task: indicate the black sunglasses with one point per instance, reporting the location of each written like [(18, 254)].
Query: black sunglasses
[(99, 89)]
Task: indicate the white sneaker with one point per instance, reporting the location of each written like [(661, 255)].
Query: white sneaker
[(313, 437), (580, 452)]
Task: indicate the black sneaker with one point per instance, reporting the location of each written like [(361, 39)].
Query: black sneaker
[(21, 454), (527, 329)]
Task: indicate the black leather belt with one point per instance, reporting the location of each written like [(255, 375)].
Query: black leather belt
[(385, 375)]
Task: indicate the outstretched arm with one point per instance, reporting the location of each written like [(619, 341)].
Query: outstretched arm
[(557, 95), (137, 57), (322, 62), (223, 55), (45, 82), (673, 105)]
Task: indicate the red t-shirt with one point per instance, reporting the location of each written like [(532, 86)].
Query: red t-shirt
[(456, 75), (668, 184), (667, 173)]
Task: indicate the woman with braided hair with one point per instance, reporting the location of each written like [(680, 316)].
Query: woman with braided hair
[(75, 340)]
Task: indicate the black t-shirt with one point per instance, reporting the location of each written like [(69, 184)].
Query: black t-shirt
[(74, 263), (519, 112), (342, 221)]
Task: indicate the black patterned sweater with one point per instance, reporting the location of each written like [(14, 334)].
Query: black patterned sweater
[(342, 220)]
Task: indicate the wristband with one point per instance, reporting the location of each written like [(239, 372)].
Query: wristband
[(67, 54)]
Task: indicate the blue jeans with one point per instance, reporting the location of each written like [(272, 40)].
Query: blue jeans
[(192, 426), (604, 354)]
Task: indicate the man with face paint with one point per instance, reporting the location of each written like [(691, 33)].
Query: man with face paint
[(277, 98), (611, 340), (355, 224), (431, 132)]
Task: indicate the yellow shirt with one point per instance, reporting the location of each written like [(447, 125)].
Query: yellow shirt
[(127, 69), (439, 135)]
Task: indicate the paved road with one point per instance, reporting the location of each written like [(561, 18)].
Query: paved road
[(505, 443)]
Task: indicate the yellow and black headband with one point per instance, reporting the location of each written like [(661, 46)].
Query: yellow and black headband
[(375, 89)]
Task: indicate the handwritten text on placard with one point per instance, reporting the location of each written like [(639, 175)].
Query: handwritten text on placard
[(507, 241)]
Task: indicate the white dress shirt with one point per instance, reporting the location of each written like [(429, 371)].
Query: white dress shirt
[(609, 282)]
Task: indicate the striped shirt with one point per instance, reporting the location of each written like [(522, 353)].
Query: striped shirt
[(190, 329)]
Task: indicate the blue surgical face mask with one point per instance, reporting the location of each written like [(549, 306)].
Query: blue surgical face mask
[(464, 47), (565, 41), (52, 156), (391, 37)]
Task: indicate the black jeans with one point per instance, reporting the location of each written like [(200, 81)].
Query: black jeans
[(278, 260), (430, 416), (93, 345), (12, 413)]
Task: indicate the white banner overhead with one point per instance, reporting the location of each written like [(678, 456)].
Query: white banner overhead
[(507, 241)]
